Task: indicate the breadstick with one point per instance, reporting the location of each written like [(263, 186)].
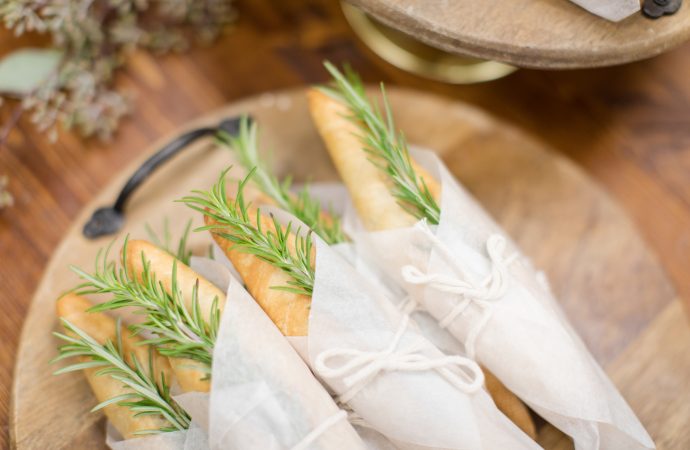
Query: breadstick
[(369, 188), (102, 328), (289, 311), (509, 404), (190, 375)]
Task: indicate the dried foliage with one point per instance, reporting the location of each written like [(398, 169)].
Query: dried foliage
[(94, 37)]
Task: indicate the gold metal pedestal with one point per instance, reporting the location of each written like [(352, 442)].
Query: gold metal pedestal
[(409, 54)]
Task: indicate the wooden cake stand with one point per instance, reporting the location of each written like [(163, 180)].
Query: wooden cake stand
[(544, 34)]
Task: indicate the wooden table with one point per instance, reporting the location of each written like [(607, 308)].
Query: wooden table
[(629, 127)]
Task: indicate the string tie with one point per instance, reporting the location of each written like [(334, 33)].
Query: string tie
[(321, 429), (483, 294), (359, 367), (409, 305)]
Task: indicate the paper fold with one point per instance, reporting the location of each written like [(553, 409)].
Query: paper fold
[(262, 396)]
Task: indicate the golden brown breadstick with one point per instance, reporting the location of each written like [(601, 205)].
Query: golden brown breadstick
[(369, 188), (190, 374), (289, 311), (102, 328), (510, 404), (161, 264)]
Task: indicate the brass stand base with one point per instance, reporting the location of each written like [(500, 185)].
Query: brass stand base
[(408, 54)]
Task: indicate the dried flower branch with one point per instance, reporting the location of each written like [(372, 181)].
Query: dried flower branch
[(94, 36)]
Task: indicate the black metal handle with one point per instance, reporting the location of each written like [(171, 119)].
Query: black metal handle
[(658, 8), (109, 219)]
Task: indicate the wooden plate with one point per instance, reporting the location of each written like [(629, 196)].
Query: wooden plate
[(546, 34), (611, 287)]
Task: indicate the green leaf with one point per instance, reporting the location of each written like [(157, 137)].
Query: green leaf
[(24, 70), (301, 204), (387, 149)]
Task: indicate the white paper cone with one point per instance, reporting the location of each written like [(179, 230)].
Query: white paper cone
[(525, 341), (372, 440), (263, 396), (418, 409), (415, 410), (337, 197), (192, 439)]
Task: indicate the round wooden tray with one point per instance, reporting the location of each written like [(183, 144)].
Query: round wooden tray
[(609, 284), (545, 34)]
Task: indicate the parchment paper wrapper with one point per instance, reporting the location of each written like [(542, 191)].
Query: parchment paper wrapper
[(263, 396), (192, 439), (416, 409), (371, 439), (335, 198), (525, 340), (613, 10), (262, 393)]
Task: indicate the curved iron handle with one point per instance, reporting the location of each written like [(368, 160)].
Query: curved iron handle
[(109, 219)]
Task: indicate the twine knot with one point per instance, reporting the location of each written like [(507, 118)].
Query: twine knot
[(483, 294), (321, 429), (360, 367)]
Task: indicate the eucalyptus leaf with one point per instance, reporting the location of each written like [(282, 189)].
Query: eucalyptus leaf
[(24, 70)]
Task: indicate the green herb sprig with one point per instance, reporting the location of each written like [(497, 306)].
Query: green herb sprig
[(386, 146), (182, 252), (147, 396), (234, 223), (300, 204), (177, 332)]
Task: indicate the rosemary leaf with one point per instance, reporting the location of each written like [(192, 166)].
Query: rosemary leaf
[(386, 147), (182, 252), (177, 332), (233, 222), (147, 394), (301, 204)]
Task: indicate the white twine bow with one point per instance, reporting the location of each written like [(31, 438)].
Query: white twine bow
[(483, 294), (361, 367), (321, 429)]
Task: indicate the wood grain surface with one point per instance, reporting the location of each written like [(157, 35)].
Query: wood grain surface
[(627, 126), (547, 34)]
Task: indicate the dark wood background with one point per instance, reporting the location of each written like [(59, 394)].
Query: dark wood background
[(628, 127)]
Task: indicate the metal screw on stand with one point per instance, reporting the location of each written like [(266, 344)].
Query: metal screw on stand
[(657, 8)]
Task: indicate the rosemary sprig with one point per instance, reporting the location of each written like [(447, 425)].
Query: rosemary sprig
[(301, 204), (271, 245), (182, 252), (148, 396), (387, 147), (177, 332)]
